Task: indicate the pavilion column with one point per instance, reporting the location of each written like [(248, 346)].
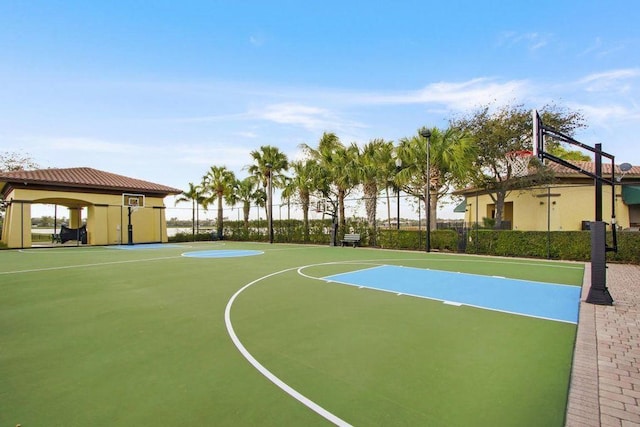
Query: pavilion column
[(16, 229), (75, 217)]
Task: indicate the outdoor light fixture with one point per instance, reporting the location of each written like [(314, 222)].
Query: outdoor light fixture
[(624, 168), (398, 168), (269, 202), (426, 133)]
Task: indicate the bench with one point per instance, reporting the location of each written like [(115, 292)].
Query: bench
[(351, 238)]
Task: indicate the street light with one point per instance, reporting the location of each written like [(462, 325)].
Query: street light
[(398, 168), (269, 202), (426, 133)]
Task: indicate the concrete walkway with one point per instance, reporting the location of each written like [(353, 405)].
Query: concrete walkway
[(605, 379)]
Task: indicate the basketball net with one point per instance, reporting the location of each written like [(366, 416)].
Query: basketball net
[(519, 162), (321, 206), (133, 208)]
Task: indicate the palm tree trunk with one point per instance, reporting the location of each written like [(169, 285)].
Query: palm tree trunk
[(193, 219), (343, 219), (246, 209), (370, 202), (305, 214), (388, 208), (434, 212), (219, 221)]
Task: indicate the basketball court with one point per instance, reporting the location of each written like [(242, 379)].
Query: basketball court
[(247, 334)]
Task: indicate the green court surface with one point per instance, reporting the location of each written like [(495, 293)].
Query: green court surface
[(96, 336)]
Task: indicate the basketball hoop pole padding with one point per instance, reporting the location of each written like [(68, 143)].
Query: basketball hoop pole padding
[(130, 227), (598, 292)]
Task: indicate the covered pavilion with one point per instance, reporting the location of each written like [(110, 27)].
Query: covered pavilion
[(112, 217)]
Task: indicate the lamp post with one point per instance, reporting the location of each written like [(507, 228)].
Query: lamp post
[(269, 202), (426, 133), (398, 168)]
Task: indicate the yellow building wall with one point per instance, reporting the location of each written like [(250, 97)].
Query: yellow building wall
[(107, 220), (16, 228), (557, 208)]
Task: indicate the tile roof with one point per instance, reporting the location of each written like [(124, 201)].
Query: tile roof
[(558, 169), (86, 178), (561, 172)]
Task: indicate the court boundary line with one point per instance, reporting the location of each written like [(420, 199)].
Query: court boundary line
[(449, 302), (262, 369), (94, 264), (222, 253)]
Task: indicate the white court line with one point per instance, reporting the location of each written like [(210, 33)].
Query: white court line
[(264, 371), (96, 264)]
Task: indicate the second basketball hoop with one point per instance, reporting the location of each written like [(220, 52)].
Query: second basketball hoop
[(518, 161)]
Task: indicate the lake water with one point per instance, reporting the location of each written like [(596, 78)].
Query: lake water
[(171, 231)]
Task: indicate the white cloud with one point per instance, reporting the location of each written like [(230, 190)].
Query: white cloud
[(598, 49), (257, 40), (247, 134), (291, 113), (474, 92), (455, 96), (306, 116), (532, 40), (610, 81), (608, 114)]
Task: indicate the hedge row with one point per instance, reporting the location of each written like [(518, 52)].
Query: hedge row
[(563, 245), (560, 245)]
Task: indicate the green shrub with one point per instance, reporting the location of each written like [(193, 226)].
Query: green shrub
[(564, 245), (442, 240), (560, 245)]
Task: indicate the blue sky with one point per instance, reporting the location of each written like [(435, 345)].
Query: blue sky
[(161, 90)]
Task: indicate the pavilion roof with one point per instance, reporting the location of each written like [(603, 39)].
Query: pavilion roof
[(82, 178)]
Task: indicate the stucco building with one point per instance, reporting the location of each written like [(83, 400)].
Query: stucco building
[(566, 204), (101, 193)]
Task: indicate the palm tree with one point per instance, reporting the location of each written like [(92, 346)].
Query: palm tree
[(372, 164), (245, 193), (268, 161), (450, 153), (336, 173), (300, 186), (193, 195), (219, 182)]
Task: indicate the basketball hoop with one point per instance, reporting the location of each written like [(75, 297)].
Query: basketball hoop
[(519, 162), (133, 201), (321, 206)]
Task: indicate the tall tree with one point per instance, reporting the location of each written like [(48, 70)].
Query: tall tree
[(336, 174), (450, 153), (301, 186), (498, 131), (219, 182), (268, 160), (372, 164), (194, 195), (14, 161), (245, 192)]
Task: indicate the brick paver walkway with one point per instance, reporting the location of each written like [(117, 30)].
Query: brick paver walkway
[(605, 379)]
